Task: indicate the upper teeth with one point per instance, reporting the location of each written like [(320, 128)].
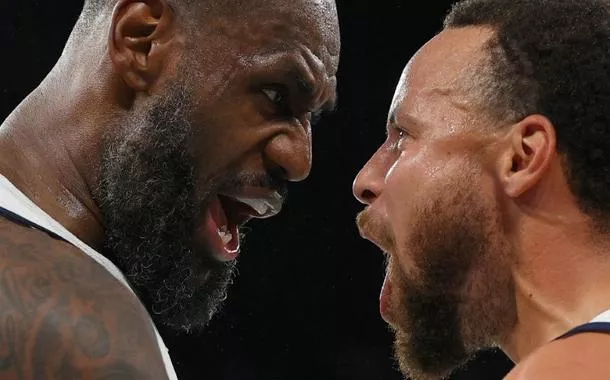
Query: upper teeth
[(259, 205), (225, 235)]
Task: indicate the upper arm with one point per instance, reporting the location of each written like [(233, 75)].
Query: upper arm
[(63, 316), (582, 356)]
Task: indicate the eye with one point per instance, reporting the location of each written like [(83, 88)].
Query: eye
[(274, 95), (399, 138), (402, 138), (278, 96)]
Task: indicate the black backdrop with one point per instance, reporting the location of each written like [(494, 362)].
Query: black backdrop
[(305, 303)]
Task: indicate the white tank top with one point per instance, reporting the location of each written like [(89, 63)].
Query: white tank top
[(603, 317), (15, 201)]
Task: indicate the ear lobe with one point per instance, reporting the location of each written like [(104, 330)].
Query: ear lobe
[(136, 26), (532, 147)]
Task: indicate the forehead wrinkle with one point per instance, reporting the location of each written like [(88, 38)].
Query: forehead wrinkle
[(290, 64), (401, 119), (453, 95), (310, 77), (270, 28), (418, 110), (322, 64), (281, 26), (331, 61)]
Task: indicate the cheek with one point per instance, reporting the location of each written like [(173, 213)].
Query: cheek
[(413, 185), (218, 137), (408, 183), (405, 186)]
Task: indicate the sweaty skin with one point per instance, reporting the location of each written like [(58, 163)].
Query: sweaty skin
[(486, 244), (237, 89)]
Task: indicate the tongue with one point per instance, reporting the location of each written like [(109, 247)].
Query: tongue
[(217, 213)]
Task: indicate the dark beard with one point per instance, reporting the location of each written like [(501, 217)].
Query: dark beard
[(150, 208), (461, 300)]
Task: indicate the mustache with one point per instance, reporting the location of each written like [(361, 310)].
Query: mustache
[(362, 219), (271, 181)]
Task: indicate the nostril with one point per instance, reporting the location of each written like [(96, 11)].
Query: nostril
[(274, 170), (290, 151), (278, 174), (367, 196)]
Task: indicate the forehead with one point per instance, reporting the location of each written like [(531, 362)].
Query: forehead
[(268, 27), (434, 84)]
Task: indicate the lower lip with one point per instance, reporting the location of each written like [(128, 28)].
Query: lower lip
[(220, 250), (384, 299)]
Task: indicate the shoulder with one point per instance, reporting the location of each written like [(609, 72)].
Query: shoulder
[(66, 316), (30, 253), (581, 356)]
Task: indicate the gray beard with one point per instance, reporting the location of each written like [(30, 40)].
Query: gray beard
[(148, 200)]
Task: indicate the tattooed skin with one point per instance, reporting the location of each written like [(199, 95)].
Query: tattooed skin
[(63, 316)]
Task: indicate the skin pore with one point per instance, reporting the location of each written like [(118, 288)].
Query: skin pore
[(486, 245)]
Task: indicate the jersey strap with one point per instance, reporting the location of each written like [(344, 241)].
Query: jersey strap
[(598, 327), (15, 218)]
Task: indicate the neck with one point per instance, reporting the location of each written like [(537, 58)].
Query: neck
[(560, 284), (50, 147)]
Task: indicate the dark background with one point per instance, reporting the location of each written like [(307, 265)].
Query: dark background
[(305, 303)]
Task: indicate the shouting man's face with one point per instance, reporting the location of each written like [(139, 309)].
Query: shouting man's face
[(432, 210), (215, 148)]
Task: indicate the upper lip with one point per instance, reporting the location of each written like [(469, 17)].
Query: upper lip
[(263, 202)]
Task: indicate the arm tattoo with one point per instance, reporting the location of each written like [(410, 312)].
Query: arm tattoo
[(63, 316)]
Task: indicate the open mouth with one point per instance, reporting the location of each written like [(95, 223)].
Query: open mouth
[(225, 215)]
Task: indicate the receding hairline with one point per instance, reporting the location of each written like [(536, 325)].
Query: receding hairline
[(470, 82)]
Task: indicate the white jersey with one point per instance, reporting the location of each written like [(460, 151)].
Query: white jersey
[(603, 317), (15, 201)]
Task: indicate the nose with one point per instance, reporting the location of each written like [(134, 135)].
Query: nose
[(291, 152), (369, 182)]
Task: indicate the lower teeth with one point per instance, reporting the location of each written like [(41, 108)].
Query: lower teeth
[(225, 235)]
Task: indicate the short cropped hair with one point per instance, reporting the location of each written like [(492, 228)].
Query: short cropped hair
[(552, 57)]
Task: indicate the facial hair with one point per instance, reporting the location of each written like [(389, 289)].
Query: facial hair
[(461, 297), (150, 208)]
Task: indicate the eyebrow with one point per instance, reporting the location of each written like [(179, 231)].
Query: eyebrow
[(297, 72), (392, 122)]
